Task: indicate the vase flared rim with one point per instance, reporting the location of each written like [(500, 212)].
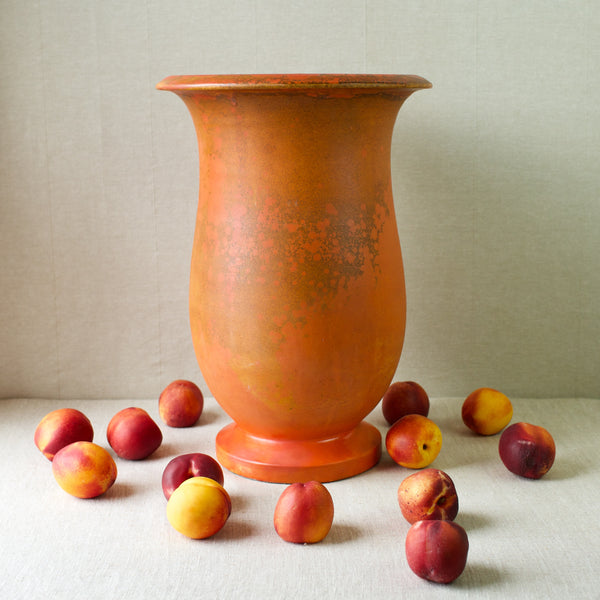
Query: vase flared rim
[(293, 82)]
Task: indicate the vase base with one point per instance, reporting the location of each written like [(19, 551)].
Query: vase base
[(290, 461)]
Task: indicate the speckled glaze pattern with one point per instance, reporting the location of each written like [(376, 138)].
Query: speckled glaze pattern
[(297, 300)]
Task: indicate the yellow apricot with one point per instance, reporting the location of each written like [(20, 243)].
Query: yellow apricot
[(199, 507), (486, 411)]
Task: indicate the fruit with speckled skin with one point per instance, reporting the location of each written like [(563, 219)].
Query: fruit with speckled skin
[(199, 508), (486, 411), (304, 513), (132, 434), (414, 441), (84, 469), (404, 398), (180, 404), (527, 450), (187, 466), (437, 550), (60, 428), (426, 495)]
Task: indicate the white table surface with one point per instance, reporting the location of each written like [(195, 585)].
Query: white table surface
[(528, 539)]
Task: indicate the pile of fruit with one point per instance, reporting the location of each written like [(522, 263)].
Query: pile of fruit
[(198, 506), (436, 547)]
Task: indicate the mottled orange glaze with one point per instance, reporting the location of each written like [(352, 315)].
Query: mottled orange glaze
[(297, 301)]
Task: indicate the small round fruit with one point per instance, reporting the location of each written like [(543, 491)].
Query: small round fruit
[(60, 428), (84, 469), (414, 441), (186, 466), (426, 495), (437, 550), (199, 507), (132, 434), (404, 398), (486, 411), (304, 513), (180, 404), (527, 450)]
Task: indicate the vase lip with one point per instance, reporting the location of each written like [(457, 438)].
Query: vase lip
[(293, 82)]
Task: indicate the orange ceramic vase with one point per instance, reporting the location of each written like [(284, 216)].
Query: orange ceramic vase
[(297, 300)]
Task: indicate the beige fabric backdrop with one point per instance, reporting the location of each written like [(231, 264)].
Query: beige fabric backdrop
[(495, 174)]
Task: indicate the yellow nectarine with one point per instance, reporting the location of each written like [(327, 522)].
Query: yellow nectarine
[(414, 441), (486, 411), (84, 469), (199, 507)]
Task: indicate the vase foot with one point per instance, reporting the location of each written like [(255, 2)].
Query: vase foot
[(290, 461)]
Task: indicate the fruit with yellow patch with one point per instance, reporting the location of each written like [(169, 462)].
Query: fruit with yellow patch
[(199, 508), (414, 441), (486, 411), (84, 469)]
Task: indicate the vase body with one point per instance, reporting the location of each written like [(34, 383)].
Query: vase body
[(297, 299)]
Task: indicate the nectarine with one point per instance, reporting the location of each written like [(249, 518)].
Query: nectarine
[(304, 513), (486, 411), (84, 469), (199, 507), (180, 404), (187, 466), (133, 434), (414, 441), (404, 398), (437, 550), (426, 495), (527, 450), (60, 428)]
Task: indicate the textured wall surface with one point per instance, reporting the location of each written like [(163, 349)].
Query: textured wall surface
[(495, 174)]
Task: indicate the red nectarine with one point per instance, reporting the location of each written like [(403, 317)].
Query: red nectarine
[(180, 404), (404, 398), (527, 450), (437, 550), (133, 434), (187, 466), (304, 513), (60, 428), (428, 494)]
